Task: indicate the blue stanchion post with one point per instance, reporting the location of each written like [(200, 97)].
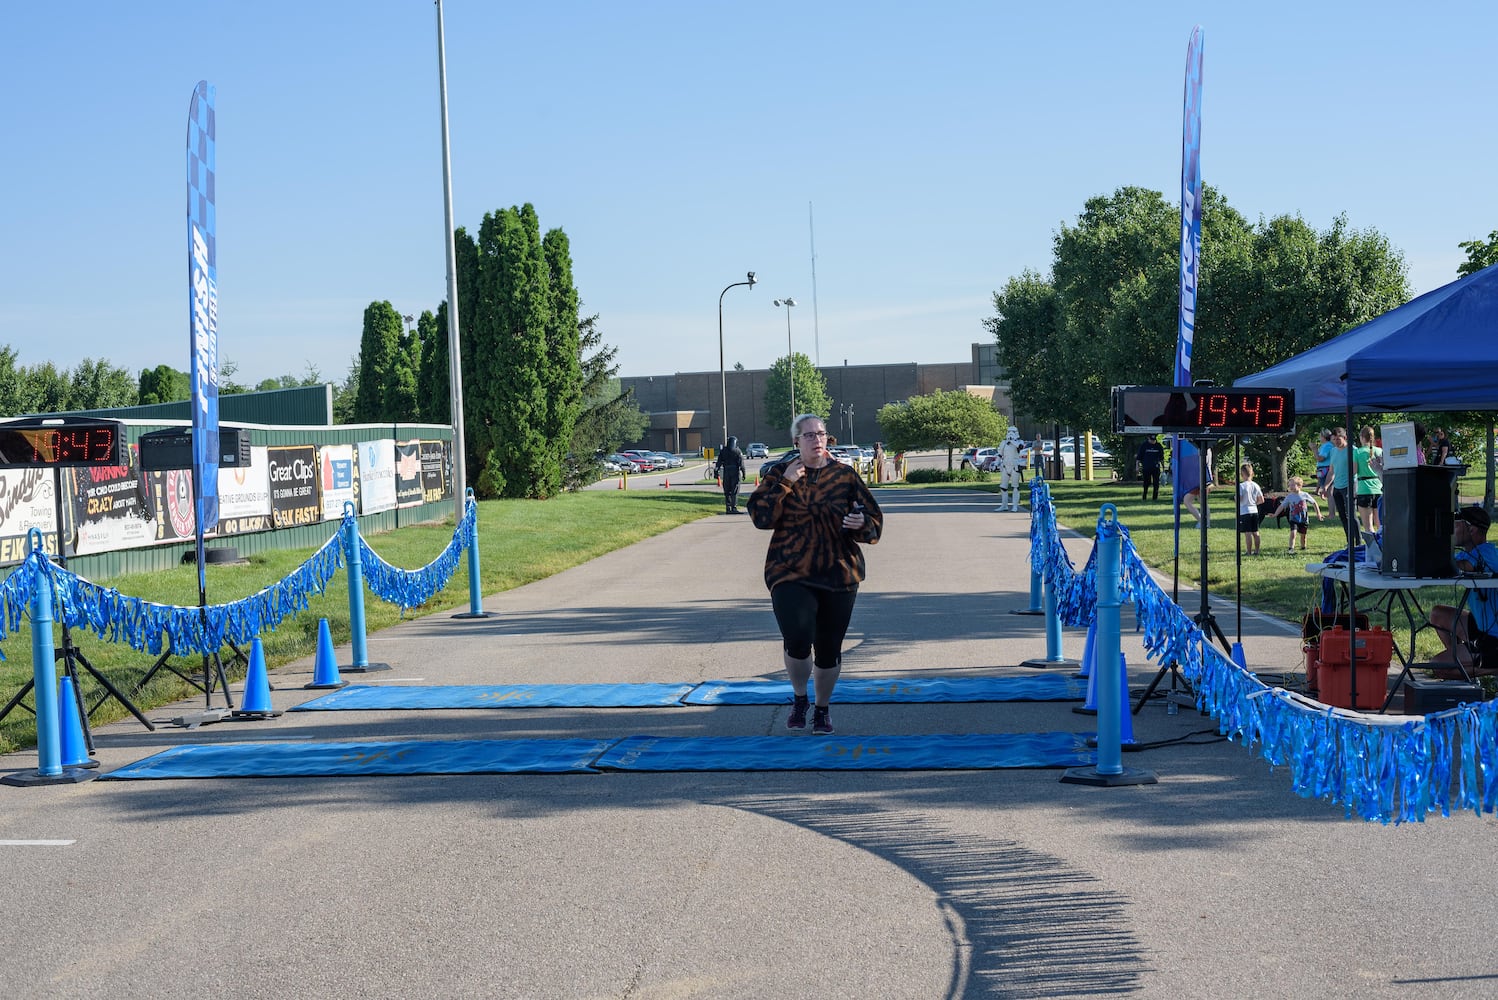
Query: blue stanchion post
[(475, 585), (1036, 606), (1109, 649), (1053, 657), (350, 529), (48, 735), (1109, 769), (49, 769)]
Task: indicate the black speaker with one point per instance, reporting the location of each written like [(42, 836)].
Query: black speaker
[(1419, 514)]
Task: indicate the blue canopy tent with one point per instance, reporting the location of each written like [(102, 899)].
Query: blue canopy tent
[(1436, 352)]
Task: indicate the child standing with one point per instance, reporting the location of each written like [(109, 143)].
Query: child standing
[(1249, 498), (1298, 504)]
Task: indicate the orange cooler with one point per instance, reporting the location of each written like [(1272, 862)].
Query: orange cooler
[(1375, 649)]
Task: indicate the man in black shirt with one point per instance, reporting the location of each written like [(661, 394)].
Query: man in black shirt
[(1151, 457), (730, 469)]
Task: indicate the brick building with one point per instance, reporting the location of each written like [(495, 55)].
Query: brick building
[(685, 409)]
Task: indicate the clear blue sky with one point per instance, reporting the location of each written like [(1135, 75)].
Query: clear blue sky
[(679, 145)]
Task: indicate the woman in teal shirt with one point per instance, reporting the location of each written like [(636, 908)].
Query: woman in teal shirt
[(1369, 459), (1324, 461)]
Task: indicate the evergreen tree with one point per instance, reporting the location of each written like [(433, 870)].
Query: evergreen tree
[(607, 416), (514, 282), (401, 403), (434, 381), (561, 373), (378, 349)]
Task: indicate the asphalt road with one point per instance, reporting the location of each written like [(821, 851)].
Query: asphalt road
[(1216, 882)]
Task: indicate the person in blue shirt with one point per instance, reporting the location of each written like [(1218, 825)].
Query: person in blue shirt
[(1477, 633)]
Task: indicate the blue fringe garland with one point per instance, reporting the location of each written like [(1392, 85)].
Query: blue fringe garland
[(151, 628), (1389, 769), (413, 588)]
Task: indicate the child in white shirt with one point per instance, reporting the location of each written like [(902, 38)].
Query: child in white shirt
[(1249, 498)]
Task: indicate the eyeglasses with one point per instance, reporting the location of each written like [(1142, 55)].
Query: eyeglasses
[(813, 434)]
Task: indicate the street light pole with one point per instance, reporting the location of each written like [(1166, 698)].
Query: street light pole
[(722, 375), (790, 357)]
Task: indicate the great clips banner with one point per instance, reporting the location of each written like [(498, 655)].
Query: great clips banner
[(202, 293)]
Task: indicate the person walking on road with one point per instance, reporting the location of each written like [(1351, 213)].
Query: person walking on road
[(819, 510), (729, 468)]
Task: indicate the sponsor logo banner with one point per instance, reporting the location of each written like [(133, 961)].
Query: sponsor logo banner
[(27, 501), (172, 501), (337, 463), (111, 507), (292, 471), (376, 476), (408, 491), (434, 475), (244, 496)]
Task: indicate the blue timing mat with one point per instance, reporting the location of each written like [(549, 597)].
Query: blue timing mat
[(869, 690), (275, 760), (381, 698), (848, 753)]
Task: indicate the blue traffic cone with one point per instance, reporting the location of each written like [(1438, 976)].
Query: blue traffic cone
[(256, 702), (1084, 668), (325, 671), (70, 727), (1089, 670), (1238, 655), (1126, 724)]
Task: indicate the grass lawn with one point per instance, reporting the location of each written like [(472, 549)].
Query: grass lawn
[(520, 541)]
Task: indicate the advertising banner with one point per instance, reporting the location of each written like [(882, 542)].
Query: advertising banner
[(408, 474), (202, 295), (111, 507), (244, 496), (27, 500), (172, 503), (1191, 206), (434, 475), (337, 463), (376, 476), (292, 471)]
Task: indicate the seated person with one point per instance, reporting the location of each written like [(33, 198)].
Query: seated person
[(1475, 645)]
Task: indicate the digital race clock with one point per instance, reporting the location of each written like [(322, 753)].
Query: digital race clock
[(1202, 410), (55, 442)]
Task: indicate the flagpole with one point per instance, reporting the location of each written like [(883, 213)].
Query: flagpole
[(454, 360)]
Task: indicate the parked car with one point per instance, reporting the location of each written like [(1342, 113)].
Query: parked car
[(776, 461), (1069, 457), (666, 460), (622, 463), (974, 458), (757, 449), (645, 459), (847, 454)]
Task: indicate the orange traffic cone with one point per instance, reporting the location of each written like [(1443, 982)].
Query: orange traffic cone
[(621, 482), (667, 484)]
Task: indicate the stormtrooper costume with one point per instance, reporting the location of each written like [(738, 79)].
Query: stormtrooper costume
[(1011, 470)]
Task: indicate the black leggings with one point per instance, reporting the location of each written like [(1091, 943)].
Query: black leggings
[(811, 618)]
